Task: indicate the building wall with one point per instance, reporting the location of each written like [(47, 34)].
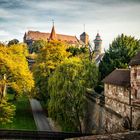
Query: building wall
[(117, 99), (135, 83), (118, 93), (135, 95), (112, 123)]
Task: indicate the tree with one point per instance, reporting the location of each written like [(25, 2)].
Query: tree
[(14, 71), (13, 42), (120, 52), (76, 50), (51, 54), (15, 74), (37, 46), (7, 111), (67, 87)]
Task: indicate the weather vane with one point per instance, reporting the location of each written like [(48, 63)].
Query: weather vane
[(53, 22)]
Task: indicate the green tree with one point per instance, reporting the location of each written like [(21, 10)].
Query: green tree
[(50, 56), (67, 87), (37, 46), (12, 42), (76, 50), (120, 52)]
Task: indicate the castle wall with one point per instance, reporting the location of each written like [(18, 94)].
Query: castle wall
[(99, 118), (93, 121), (113, 116)]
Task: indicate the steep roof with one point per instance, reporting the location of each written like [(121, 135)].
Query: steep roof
[(135, 60), (53, 34), (84, 34), (119, 77), (36, 35)]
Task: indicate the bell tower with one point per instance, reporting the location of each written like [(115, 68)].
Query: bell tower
[(84, 37), (98, 44)]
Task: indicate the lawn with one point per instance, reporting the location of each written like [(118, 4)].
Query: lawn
[(23, 118)]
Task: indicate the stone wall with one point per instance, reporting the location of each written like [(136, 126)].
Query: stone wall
[(93, 121), (133, 135), (135, 83), (111, 117)]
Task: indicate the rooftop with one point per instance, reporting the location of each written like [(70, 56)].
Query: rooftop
[(119, 77), (36, 35)]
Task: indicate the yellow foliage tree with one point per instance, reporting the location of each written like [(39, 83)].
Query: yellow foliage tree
[(14, 71), (51, 54)]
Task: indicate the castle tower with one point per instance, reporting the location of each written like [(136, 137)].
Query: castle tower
[(84, 38), (98, 43)]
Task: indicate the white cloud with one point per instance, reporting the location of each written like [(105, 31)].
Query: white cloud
[(110, 17), (4, 33)]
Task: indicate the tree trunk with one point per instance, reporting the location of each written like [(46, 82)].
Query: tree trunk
[(78, 119)]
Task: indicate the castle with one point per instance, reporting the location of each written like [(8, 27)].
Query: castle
[(32, 36)]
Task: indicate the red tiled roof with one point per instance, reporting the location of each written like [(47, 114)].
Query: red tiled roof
[(119, 77), (36, 35)]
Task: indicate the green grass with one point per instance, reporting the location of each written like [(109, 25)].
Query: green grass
[(23, 118)]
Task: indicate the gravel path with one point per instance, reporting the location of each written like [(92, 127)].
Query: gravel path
[(41, 120)]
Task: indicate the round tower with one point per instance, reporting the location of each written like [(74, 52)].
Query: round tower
[(98, 43)]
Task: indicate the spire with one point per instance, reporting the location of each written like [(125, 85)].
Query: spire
[(84, 27), (53, 34)]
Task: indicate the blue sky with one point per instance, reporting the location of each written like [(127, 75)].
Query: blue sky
[(109, 17)]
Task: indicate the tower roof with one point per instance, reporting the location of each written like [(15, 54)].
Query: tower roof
[(98, 37), (97, 34), (84, 34), (53, 34)]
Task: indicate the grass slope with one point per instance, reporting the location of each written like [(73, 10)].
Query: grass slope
[(23, 118)]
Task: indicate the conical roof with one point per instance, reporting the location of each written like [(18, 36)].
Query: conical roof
[(53, 34), (98, 38), (84, 34)]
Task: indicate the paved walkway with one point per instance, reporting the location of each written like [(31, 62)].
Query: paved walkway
[(41, 120)]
